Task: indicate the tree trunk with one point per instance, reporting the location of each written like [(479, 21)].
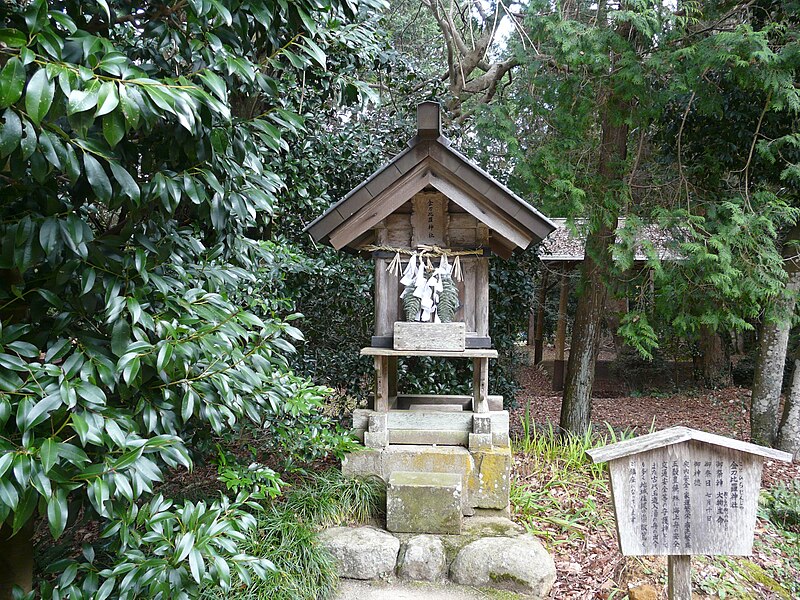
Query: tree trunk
[(16, 560), (576, 403), (768, 379), (716, 364), (788, 438), (538, 348)]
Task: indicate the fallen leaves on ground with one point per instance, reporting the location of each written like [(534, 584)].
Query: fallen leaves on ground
[(588, 562)]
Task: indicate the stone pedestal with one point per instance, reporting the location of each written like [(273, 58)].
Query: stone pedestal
[(485, 474), (424, 502)]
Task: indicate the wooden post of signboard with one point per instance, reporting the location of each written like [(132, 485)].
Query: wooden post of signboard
[(679, 577), (680, 492)]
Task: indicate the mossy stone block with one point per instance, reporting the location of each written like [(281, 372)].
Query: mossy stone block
[(424, 502), (492, 478)]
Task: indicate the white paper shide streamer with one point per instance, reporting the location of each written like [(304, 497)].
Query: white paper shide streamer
[(425, 282)]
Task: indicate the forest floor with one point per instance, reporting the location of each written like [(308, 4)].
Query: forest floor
[(569, 506), (565, 501)]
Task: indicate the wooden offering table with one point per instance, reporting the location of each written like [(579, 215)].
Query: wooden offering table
[(476, 421), (386, 375)]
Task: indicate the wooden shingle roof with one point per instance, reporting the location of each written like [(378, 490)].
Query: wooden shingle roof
[(566, 244), (430, 162)]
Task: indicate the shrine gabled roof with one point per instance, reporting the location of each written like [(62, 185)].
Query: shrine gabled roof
[(677, 435), (429, 161), (566, 244)]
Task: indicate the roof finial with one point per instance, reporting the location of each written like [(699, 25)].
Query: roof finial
[(429, 122)]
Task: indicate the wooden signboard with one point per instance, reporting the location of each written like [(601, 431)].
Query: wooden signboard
[(680, 492)]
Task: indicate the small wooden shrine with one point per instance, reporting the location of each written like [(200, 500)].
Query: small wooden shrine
[(431, 220)]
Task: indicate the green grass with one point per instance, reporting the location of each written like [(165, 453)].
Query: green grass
[(330, 499), (286, 535), (558, 489)]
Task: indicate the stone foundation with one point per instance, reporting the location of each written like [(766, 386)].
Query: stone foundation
[(490, 553), (485, 473), (423, 502)]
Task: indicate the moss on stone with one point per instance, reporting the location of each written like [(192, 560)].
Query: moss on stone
[(500, 594), (507, 581)]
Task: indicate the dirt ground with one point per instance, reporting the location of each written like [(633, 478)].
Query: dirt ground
[(589, 564)]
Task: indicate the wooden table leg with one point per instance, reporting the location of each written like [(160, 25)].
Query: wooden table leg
[(382, 383), (392, 390), (480, 385)]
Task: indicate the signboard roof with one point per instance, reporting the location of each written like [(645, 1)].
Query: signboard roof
[(676, 435)]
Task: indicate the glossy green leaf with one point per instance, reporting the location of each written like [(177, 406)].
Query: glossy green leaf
[(28, 142), (73, 165), (50, 146), (197, 565), (12, 82), (52, 45), (106, 589), (73, 454), (222, 11), (106, 9), (315, 52), (129, 106), (57, 512), (216, 84), (120, 337), (184, 546), (91, 393), (134, 309), (127, 184), (5, 412), (97, 177), (107, 99), (114, 128), (25, 349), (48, 454), (40, 412), (39, 96), (81, 100), (8, 494), (5, 462), (164, 356), (88, 278), (131, 367), (10, 132), (309, 23), (13, 38), (64, 20)]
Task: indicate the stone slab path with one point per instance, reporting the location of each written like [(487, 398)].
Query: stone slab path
[(350, 589)]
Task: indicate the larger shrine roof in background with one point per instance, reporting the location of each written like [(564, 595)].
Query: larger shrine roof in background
[(429, 161), (567, 245)]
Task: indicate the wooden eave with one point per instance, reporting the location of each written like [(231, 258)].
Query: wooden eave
[(431, 162), (677, 435)]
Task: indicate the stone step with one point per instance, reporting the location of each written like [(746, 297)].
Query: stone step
[(424, 502), (432, 426)]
